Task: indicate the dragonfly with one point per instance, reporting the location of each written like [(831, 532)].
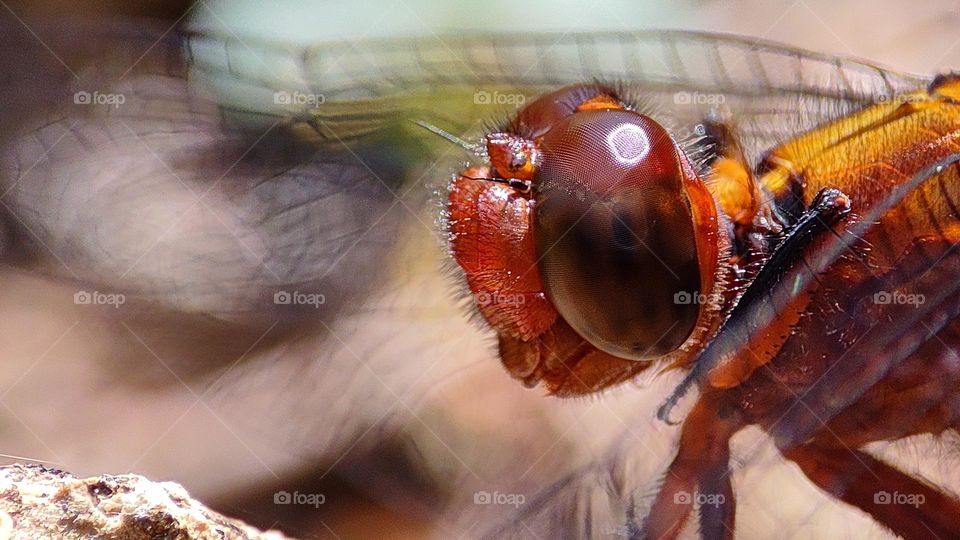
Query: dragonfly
[(832, 216)]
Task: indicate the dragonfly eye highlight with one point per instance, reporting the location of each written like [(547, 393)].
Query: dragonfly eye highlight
[(615, 233)]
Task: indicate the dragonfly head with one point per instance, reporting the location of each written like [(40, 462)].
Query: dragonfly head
[(624, 233)]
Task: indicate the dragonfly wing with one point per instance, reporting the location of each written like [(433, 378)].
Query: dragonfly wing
[(199, 223), (771, 90), (120, 173), (216, 123), (201, 106)]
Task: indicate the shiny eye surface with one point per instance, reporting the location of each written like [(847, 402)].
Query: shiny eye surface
[(615, 234)]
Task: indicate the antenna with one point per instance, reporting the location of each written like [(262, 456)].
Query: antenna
[(475, 149)]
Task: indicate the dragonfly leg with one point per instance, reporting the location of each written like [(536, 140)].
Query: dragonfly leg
[(905, 505), (717, 503), (698, 475)]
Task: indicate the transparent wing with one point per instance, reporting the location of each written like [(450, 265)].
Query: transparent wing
[(771, 91), (207, 118)]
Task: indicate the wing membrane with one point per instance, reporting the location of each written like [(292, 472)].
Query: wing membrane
[(371, 82)]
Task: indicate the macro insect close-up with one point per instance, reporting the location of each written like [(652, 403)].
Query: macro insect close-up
[(415, 270)]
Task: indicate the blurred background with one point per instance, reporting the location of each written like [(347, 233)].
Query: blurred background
[(388, 407)]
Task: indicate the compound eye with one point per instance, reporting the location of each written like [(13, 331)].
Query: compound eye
[(615, 233)]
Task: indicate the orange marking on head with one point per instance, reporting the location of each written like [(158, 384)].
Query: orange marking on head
[(601, 102)]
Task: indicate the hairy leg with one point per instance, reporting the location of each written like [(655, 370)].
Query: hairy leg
[(905, 505), (699, 473)]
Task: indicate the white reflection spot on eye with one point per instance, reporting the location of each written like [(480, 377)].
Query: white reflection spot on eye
[(628, 143)]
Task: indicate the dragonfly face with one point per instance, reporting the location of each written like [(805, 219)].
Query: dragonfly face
[(608, 187), (703, 178)]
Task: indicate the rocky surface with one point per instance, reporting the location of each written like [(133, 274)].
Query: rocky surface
[(40, 502)]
